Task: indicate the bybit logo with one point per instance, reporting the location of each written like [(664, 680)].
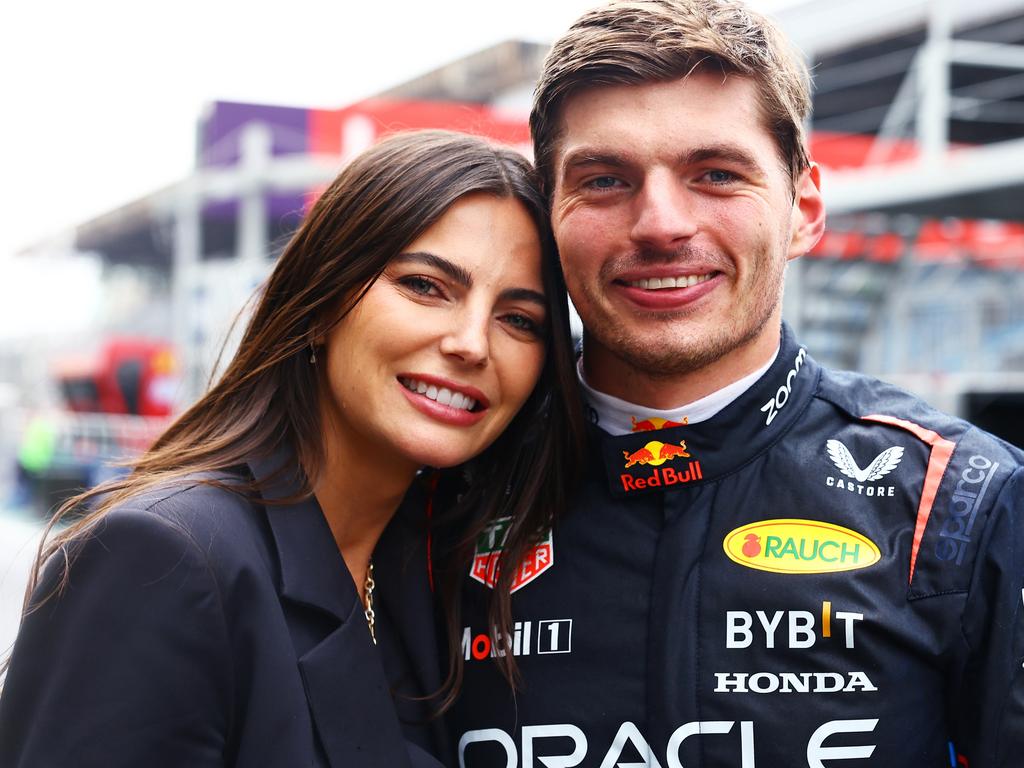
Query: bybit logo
[(799, 628)]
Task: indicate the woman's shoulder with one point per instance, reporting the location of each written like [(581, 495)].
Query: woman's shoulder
[(202, 515), (190, 500)]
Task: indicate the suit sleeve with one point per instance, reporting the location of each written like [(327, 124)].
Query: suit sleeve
[(128, 665), (988, 717)]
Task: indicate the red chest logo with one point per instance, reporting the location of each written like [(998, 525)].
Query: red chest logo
[(488, 549)]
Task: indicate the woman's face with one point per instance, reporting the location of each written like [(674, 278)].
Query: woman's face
[(446, 345)]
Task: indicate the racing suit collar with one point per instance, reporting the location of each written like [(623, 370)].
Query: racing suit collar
[(619, 417), (675, 457)]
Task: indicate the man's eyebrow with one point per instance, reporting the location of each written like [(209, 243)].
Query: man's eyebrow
[(454, 271), (463, 278), (589, 156), (728, 153)]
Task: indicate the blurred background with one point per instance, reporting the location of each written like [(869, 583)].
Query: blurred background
[(154, 163)]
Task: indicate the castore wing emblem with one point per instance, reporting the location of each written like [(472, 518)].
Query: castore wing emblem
[(883, 464)]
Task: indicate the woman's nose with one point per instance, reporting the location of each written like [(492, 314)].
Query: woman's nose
[(468, 339)]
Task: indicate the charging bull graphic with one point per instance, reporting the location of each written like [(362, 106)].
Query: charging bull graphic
[(653, 422), (656, 453)]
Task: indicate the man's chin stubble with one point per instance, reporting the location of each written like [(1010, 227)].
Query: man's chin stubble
[(685, 356)]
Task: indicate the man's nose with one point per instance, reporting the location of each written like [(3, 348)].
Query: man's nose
[(664, 213), (468, 337)]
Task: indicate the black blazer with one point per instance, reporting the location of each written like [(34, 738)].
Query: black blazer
[(200, 629)]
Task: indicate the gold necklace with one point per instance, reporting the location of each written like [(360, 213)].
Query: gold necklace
[(368, 586)]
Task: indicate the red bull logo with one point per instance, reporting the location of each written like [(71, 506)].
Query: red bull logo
[(484, 567), (654, 454), (653, 423)]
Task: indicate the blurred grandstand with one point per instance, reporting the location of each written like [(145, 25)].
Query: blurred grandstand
[(918, 124)]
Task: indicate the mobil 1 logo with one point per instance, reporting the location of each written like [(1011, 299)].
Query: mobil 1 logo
[(543, 637), (554, 636)]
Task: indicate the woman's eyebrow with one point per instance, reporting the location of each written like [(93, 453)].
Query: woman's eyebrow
[(453, 270), (463, 278), (525, 294)]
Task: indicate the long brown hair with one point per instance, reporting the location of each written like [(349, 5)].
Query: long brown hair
[(269, 393)]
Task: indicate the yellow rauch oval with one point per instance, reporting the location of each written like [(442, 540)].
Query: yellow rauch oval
[(800, 546)]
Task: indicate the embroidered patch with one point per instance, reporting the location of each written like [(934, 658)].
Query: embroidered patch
[(653, 423), (484, 567), (636, 463)]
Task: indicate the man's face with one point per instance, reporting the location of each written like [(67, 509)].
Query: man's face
[(675, 217)]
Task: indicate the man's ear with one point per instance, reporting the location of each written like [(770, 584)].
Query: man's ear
[(808, 223)]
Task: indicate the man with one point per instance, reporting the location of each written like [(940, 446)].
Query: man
[(769, 563)]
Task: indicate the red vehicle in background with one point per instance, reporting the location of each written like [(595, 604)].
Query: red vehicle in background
[(128, 376), (115, 404)]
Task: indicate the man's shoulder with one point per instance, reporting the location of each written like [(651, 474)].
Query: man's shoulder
[(861, 396), (960, 473), (869, 400)]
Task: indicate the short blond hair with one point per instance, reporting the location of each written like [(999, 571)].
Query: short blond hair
[(650, 41)]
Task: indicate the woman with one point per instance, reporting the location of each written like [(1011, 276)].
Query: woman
[(216, 607)]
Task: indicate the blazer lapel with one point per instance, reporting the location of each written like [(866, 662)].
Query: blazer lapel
[(406, 606), (341, 670), (350, 699)]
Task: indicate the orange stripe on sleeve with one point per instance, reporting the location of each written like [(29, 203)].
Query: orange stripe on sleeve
[(941, 453)]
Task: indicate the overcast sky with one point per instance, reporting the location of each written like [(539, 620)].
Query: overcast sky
[(101, 97)]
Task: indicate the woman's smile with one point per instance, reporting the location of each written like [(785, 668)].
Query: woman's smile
[(446, 345)]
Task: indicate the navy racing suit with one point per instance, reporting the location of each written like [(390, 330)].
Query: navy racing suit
[(827, 573)]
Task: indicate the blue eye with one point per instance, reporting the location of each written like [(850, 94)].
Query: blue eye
[(522, 323), (419, 284), (603, 182), (720, 177)]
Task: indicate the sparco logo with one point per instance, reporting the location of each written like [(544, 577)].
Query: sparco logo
[(777, 403), (534, 751), (861, 480), (963, 508)]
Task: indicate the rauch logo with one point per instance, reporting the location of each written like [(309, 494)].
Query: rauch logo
[(800, 546)]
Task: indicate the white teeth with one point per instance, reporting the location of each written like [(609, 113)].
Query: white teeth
[(681, 281), (443, 395)]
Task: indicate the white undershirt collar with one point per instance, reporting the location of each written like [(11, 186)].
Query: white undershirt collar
[(616, 416)]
